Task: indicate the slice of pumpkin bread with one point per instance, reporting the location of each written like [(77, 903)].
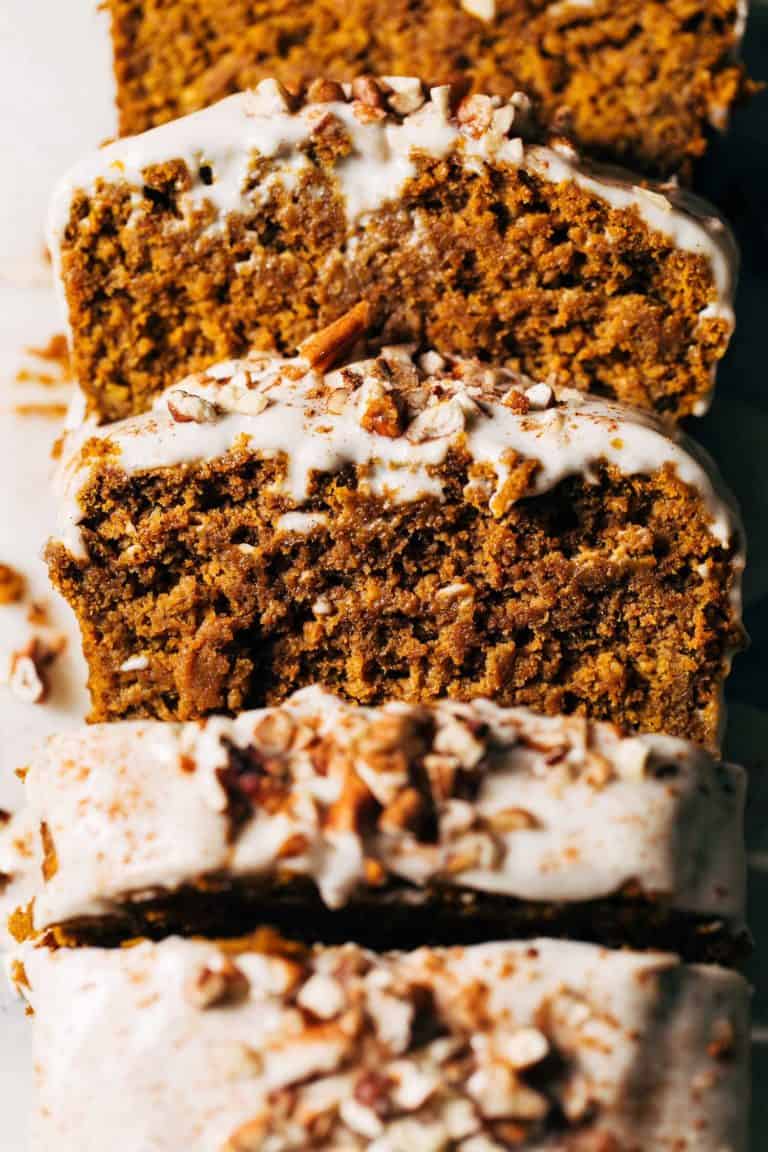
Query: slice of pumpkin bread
[(642, 81), (398, 527), (256, 221), (227, 1046), (394, 826)]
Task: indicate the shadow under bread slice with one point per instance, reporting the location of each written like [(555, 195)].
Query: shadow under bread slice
[(258, 220), (393, 826), (252, 1045), (399, 527)]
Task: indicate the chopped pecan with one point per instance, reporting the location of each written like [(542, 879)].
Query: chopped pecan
[(330, 139), (475, 113), (323, 91), (523, 1048), (29, 669), (432, 363), (440, 98), (329, 346), (599, 771), (250, 1136), (337, 401), (27, 681), (353, 807), (375, 873), (382, 411), (517, 401), (391, 741), (214, 987), (405, 95), (413, 1085), (404, 814), (447, 418), (268, 98), (457, 738), (499, 1094), (577, 1098), (474, 850), (322, 996), (372, 1090), (360, 1119), (512, 820), (442, 771), (295, 845), (186, 408), (367, 90), (275, 731), (251, 779), (540, 396)]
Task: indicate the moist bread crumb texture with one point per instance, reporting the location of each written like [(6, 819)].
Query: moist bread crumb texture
[(460, 235), (636, 81), (376, 530)]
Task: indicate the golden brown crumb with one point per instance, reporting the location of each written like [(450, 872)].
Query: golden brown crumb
[(37, 614), (55, 352), (28, 376), (21, 926), (46, 411), (12, 585)]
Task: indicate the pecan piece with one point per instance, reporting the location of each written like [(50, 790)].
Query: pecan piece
[(214, 987), (405, 813), (517, 401), (322, 91), (29, 670), (367, 90), (186, 408), (250, 1136), (512, 820), (406, 95), (382, 411), (329, 346)]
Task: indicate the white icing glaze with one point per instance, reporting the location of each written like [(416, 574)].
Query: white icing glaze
[(225, 136), (638, 1036), (139, 806), (256, 398)]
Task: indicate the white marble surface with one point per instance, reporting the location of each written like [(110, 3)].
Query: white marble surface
[(55, 101)]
